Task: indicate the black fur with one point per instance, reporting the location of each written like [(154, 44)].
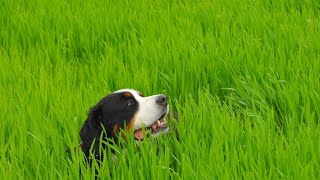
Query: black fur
[(114, 109)]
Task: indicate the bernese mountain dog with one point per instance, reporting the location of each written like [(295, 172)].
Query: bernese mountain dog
[(123, 110)]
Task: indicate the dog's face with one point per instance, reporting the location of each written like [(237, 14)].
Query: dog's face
[(149, 109), (125, 109)]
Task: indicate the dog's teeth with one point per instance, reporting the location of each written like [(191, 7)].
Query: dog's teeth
[(158, 122)]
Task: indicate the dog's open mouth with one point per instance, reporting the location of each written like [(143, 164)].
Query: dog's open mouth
[(159, 127)]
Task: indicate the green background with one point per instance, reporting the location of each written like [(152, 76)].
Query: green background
[(244, 76)]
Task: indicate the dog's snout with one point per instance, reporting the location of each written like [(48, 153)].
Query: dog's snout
[(162, 100)]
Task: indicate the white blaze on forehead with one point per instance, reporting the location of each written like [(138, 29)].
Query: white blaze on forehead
[(149, 111), (132, 91)]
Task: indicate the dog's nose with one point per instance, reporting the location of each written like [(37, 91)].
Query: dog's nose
[(162, 100)]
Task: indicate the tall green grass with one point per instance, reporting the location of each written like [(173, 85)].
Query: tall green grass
[(243, 75)]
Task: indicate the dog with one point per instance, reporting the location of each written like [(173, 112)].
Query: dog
[(123, 110)]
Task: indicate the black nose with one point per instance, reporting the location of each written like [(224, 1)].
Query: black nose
[(162, 100)]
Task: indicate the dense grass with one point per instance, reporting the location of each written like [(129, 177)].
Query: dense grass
[(244, 76)]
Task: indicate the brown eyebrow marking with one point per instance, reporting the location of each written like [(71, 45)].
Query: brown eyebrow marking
[(115, 128), (127, 94)]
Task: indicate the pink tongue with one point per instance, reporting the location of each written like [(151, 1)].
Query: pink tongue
[(138, 134), (154, 126)]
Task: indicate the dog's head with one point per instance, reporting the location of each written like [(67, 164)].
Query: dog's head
[(125, 109)]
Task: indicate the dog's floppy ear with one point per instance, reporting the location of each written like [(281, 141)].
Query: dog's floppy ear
[(91, 130)]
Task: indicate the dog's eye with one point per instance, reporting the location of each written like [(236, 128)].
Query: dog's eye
[(130, 102)]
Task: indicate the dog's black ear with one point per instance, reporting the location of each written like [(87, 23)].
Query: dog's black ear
[(91, 130)]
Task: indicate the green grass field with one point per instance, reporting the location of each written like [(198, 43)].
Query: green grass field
[(244, 76)]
